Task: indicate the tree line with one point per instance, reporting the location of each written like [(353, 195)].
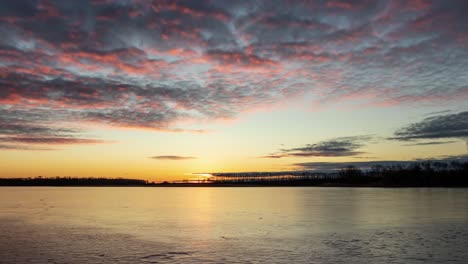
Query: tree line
[(417, 174), (71, 181)]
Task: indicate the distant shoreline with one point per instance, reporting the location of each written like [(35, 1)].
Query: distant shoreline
[(422, 175), (243, 185)]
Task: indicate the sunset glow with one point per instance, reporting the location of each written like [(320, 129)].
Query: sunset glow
[(169, 90)]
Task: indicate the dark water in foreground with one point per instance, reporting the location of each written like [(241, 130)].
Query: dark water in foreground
[(233, 225)]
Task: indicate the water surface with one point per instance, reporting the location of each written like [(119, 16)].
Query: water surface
[(233, 225)]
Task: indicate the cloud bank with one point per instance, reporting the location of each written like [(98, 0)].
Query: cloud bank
[(24, 130), (155, 64), (436, 127), (331, 166)]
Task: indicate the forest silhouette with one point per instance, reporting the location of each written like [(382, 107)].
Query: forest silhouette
[(418, 174)]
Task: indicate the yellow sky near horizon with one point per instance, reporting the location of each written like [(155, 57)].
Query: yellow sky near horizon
[(231, 147)]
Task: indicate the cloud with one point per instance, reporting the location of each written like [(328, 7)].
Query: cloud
[(331, 166), (21, 130), (307, 167), (157, 64), (436, 127), (17, 147), (338, 147), (50, 140), (431, 143), (170, 157)]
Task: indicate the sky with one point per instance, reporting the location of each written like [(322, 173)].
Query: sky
[(159, 90)]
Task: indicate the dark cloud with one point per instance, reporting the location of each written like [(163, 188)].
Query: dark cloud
[(50, 140), (431, 143), (24, 131), (28, 129), (436, 127), (19, 147), (306, 167), (170, 157), (155, 64), (331, 166), (338, 147)]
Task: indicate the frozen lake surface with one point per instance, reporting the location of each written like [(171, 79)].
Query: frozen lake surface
[(233, 225)]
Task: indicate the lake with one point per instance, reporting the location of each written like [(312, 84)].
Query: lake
[(233, 225)]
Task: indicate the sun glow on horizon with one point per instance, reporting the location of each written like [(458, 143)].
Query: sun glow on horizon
[(159, 89)]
